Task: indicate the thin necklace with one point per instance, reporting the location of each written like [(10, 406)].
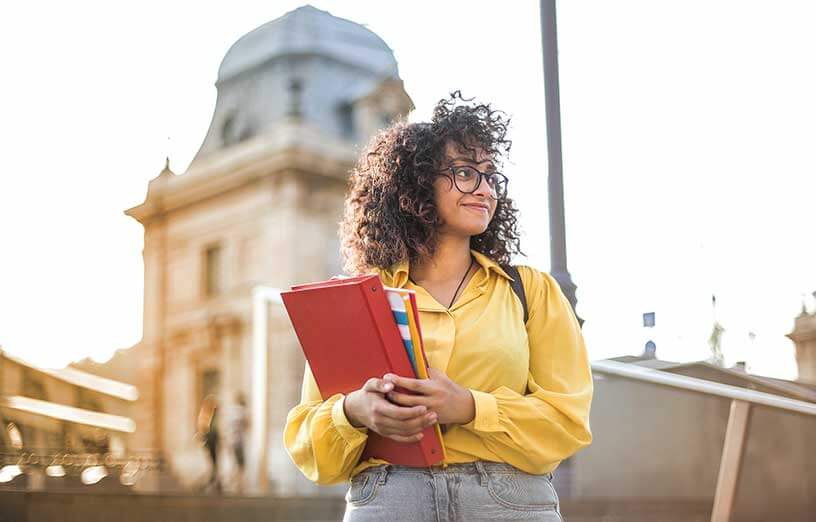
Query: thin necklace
[(460, 282)]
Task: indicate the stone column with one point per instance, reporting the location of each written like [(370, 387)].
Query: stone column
[(804, 336)]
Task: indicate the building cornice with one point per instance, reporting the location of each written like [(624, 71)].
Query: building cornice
[(804, 329), (292, 146), (119, 390)]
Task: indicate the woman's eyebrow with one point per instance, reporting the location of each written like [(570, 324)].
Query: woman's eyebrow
[(470, 160)]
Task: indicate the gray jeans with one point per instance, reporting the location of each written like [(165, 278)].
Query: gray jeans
[(462, 492)]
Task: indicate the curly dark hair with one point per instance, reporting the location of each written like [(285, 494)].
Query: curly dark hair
[(390, 214)]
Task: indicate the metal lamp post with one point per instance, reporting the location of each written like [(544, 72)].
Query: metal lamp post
[(558, 243)]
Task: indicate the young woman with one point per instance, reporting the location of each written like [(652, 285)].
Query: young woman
[(428, 210)]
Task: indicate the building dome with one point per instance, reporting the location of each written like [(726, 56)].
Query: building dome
[(309, 31), (306, 66)]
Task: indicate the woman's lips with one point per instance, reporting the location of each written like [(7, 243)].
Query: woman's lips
[(477, 208)]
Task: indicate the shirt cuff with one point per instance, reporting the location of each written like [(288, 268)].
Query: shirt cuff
[(347, 431), (487, 412)]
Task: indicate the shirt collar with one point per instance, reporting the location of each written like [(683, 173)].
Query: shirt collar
[(488, 264), (397, 275)]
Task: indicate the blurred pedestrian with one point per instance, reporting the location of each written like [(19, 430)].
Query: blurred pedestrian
[(238, 428), (208, 434)]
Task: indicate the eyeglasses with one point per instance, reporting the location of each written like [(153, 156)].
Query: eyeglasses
[(467, 180)]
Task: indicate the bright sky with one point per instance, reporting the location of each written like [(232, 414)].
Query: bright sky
[(688, 135)]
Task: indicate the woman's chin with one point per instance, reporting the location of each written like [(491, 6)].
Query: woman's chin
[(481, 226), (467, 228), (475, 230)]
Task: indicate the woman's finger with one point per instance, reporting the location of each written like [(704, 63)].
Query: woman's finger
[(386, 426), (410, 438), (378, 385), (417, 385), (401, 413), (403, 399)]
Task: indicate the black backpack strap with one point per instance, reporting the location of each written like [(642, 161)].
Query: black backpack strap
[(518, 287)]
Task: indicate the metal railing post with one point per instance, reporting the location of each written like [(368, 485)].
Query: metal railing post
[(736, 433), (731, 462)]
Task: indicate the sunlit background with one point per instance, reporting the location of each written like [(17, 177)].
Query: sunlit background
[(688, 132)]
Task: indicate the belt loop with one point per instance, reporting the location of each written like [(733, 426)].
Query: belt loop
[(384, 474), (482, 472)]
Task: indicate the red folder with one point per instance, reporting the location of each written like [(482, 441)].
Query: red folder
[(348, 335)]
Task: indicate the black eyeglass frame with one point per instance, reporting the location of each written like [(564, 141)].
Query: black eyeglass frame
[(501, 186)]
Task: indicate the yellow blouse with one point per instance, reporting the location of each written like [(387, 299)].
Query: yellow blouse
[(532, 389)]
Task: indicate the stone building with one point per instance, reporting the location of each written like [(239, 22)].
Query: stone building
[(804, 336), (259, 205), (47, 415)]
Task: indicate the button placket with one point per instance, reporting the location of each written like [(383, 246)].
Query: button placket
[(449, 340)]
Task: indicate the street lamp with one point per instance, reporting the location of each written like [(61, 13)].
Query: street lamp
[(9, 473), (93, 474), (55, 469), (555, 180)]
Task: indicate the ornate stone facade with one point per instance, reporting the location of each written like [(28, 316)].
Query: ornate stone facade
[(259, 206)]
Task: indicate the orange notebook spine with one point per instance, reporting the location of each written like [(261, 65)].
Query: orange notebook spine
[(422, 360)]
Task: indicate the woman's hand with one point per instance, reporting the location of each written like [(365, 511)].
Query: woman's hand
[(452, 403), (368, 407)]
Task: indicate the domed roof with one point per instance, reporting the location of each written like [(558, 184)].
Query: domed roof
[(308, 30)]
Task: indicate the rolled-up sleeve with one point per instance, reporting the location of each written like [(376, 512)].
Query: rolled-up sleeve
[(319, 438), (537, 430)]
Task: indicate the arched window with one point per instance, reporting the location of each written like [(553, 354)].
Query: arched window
[(345, 113), (228, 131), (235, 130)]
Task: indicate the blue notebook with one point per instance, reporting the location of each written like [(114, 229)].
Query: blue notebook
[(401, 317)]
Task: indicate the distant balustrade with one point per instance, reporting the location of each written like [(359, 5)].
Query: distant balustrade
[(736, 435)]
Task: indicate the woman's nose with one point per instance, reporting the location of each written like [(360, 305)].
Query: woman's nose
[(484, 188)]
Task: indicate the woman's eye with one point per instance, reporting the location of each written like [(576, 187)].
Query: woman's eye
[(463, 173)]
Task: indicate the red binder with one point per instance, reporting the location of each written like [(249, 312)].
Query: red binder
[(348, 335)]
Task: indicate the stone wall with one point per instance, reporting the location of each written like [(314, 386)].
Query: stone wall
[(87, 507)]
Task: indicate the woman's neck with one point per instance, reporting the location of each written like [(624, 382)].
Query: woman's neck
[(450, 260)]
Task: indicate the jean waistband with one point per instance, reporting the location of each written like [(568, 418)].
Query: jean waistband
[(479, 467)]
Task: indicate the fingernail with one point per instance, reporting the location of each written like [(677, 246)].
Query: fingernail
[(388, 386)]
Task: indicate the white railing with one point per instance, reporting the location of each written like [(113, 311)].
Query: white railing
[(68, 413), (736, 432)]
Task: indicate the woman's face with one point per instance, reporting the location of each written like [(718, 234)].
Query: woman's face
[(464, 214)]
